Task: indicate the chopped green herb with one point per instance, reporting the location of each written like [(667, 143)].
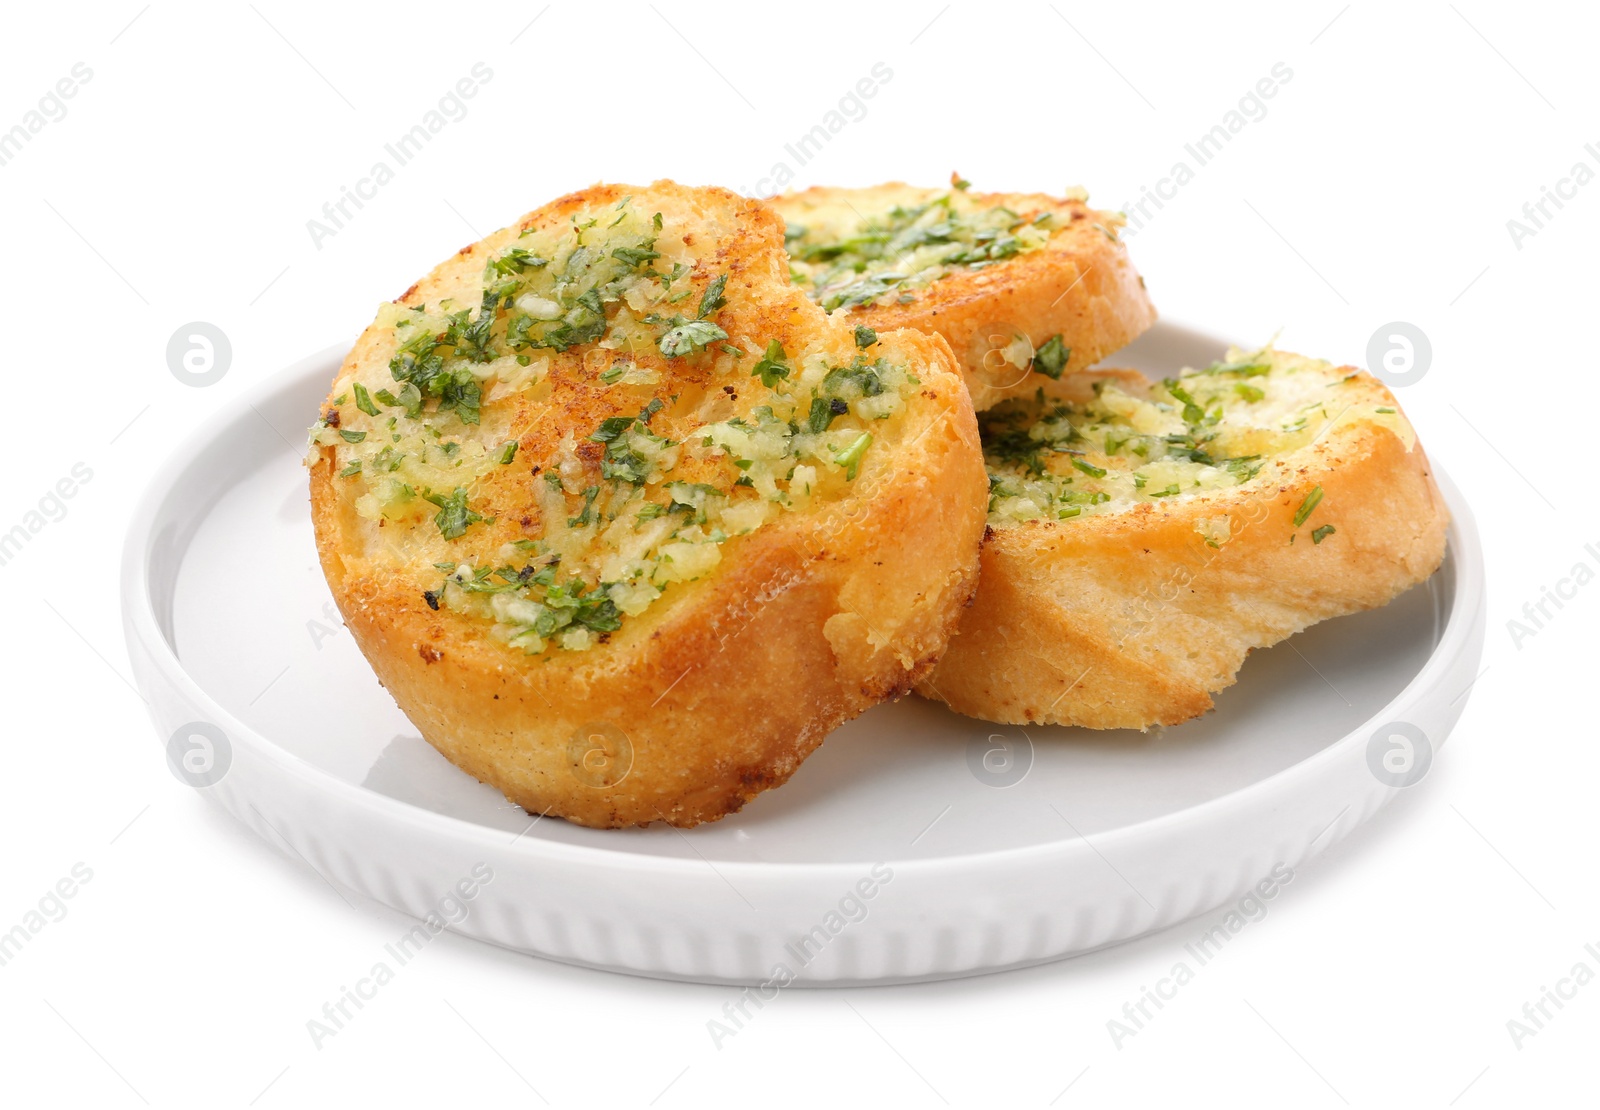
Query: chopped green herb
[(822, 413), (634, 256), (850, 457), (508, 452), (688, 336), (1320, 534), (860, 292), (712, 299), (610, 428), (858, 376), (772, 368), (1192, 413), (516, 260), (351, 436), (410, 399), (622, 461), (865, 336), (666, 280), (1247, 368), (1313, 499), (1051, 357), (587, 514), (364, 400), (453, 517)]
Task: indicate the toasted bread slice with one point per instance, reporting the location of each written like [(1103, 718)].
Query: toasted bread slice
[(625, 523), (1144, 537), (1025, 287)]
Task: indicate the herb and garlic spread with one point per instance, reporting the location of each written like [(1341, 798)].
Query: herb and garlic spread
[(1130, 442), (467, 450), (845, 252)]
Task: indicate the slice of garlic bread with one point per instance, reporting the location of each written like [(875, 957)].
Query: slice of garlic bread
[(1144, 537), (625, 523), (1025, 287)]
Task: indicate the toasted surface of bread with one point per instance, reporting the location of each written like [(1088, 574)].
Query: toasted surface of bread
[(1025, 287), (625, 523), (1144, 537)]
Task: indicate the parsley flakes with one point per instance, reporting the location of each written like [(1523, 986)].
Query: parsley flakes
[(453, 517), (688, 336), (685, 337), (1051, 357), (772, 368), (1308, 506)]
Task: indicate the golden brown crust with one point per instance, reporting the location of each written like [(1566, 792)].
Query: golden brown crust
[(719, 690), (1129, 619), (1080, 285)]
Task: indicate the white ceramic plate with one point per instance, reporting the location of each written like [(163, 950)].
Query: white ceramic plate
[(915, 844)]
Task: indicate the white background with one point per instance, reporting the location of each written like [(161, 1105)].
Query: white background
[(1377, 188)]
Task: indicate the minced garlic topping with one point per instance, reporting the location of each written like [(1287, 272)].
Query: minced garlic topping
[(1203, 430)]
